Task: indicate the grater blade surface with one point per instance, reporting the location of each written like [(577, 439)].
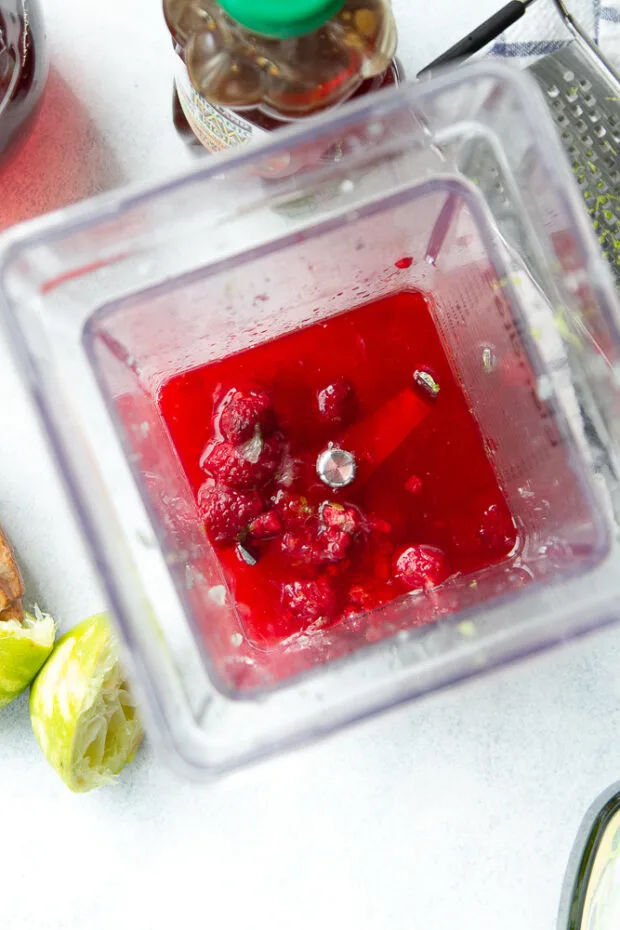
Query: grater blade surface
[(585, 106)]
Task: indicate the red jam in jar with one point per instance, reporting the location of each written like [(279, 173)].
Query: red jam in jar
[(338, 468), (23, 69)]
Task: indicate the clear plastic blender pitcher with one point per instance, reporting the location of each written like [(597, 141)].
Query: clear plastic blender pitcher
[(105, 302)]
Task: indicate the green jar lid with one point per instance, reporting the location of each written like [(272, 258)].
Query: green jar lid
[(281, 19)]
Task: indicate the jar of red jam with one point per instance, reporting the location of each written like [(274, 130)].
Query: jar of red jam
[(23, 69)]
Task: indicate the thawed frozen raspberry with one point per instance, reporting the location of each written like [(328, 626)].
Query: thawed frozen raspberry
[(249, 465), (336, 401), (414, 485), (266, 526), (497, 530), (299, 545), (310, 547), (294, 510), (332, 545), (346, 518), (422, 566), (309, 603), (226, 512), (241, 412)]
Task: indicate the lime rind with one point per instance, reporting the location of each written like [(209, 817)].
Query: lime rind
[(82, 711), (24, 648)]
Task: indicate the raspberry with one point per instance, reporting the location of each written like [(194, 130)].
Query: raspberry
[(309, 548), (497, 530), (309, 603), (414, 485), (312, 543), (240, 413), (266, 526), (422, 567), (332, 545), (348, 519), (225, 512), (248, 466), (335, 402), (489, 530), (299, 546), (295, 511)]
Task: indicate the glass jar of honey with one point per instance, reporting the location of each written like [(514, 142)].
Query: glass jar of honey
[(247, 67)]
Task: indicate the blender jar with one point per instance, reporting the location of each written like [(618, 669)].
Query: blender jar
[(108, 301)]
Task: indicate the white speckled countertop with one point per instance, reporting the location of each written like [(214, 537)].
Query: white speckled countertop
[(458, 811)]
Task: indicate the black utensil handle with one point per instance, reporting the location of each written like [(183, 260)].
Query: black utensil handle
[(481, 36)]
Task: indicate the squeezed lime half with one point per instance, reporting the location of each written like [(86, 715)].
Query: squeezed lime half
[(82, 711), (24, 647)]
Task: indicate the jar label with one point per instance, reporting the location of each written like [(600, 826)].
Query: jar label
[(217, 128)]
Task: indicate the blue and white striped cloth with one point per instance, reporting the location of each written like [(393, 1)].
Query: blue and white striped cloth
[(541, 30)]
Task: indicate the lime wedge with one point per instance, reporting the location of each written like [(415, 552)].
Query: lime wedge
[(25, 644), (81, 708)]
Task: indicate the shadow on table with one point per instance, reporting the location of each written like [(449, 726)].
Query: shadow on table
[(64, 160)]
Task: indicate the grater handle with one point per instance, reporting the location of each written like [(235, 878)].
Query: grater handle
[(587, 45), (485, 33)]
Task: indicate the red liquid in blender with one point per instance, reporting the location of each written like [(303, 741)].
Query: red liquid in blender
[(375, 385)]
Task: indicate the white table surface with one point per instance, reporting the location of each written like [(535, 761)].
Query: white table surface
[(458, 811)]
